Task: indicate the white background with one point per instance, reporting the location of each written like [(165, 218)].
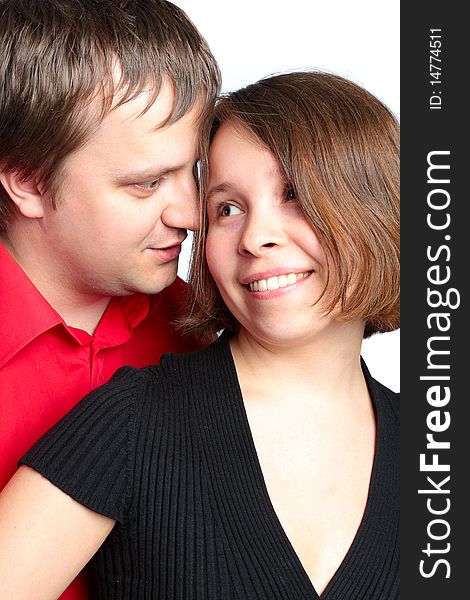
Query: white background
[(360, 40)]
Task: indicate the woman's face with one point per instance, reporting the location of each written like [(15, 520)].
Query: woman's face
[(262, 252)]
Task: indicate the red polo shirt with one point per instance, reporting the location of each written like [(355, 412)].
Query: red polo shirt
[(46, 366)]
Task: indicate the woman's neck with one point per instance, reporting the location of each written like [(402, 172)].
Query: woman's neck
[(325, 367)]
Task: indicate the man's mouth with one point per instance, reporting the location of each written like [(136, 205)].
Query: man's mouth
[(169, 253)]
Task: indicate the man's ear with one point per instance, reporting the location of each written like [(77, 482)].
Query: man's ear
[(26, 194)]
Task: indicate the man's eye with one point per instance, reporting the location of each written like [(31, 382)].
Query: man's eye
[(228, 210), (149, 186)]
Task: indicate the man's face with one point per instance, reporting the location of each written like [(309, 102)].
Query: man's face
[(124, 203)]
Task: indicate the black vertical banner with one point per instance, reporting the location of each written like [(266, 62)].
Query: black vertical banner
[(435, 329)]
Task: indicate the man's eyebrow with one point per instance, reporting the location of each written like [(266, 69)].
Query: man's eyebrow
[(142, 175)]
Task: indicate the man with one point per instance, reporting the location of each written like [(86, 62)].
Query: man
[(101, 105)]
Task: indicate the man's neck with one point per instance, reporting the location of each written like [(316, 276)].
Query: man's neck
[(85, 316), (82, 311)]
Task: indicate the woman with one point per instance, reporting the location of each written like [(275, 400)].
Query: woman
[(266, 465)]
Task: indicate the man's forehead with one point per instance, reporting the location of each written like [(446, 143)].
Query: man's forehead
[(131, 142), (155, 110), (160, 105)]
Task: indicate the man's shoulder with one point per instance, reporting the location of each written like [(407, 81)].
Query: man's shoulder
[(176, 291), (171, 300), (167, 310)]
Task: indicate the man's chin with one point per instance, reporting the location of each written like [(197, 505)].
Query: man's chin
[(155, 286)]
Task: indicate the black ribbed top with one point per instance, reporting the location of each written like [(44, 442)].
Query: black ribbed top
[(167, 451)]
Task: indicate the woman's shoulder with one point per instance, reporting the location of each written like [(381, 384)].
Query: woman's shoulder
[(159, 387), (386, 395), (382, 393), (176, 368)]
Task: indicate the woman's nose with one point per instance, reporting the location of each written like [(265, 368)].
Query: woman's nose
[(260, 233)]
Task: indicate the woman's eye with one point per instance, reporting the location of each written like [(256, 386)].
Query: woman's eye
[(290, 193), (228, 210)]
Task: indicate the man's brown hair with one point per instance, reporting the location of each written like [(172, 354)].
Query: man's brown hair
[(59, 55), (338, 147)]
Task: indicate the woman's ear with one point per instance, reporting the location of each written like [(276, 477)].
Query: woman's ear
[(25, 193)]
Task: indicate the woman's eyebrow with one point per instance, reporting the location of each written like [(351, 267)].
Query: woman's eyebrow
[(218, 189)]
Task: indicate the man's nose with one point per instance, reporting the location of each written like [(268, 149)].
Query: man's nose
[(182, 211)]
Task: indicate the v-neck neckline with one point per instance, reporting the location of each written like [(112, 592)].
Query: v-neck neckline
[(372, 490)]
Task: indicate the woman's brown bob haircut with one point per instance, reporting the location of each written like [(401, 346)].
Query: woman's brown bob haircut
[(338, 147), (57, 56)]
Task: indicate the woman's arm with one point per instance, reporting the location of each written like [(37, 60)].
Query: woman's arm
[(46, 537)]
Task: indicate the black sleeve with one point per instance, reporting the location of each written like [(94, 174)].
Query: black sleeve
[(88, 454)]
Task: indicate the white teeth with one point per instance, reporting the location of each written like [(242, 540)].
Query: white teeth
[(274, 283), (291, 278)]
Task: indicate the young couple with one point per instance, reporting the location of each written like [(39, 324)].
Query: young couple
[(264, 465)]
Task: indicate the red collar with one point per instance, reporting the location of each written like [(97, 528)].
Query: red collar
[(26, 314)]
